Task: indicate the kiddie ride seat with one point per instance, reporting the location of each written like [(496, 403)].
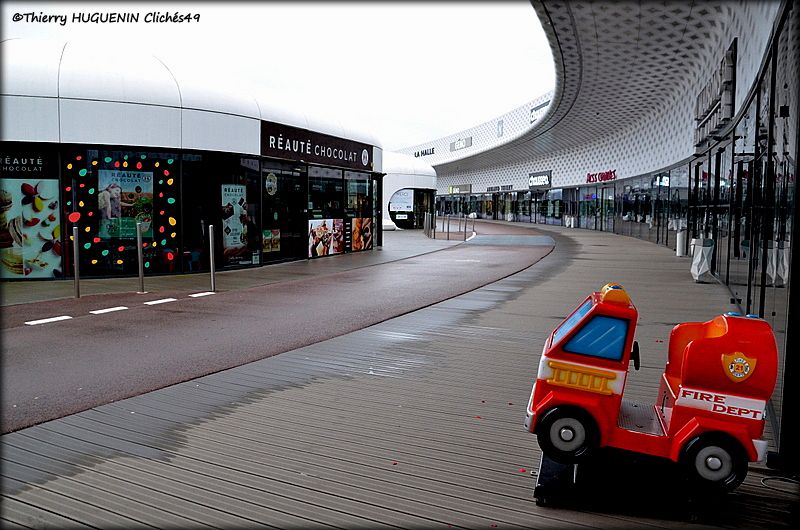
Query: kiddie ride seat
[(709, 415)]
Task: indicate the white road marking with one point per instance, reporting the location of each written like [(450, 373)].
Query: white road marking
[(468, 260), (46, 320), (207, 293), (162, 301), (108, 310)]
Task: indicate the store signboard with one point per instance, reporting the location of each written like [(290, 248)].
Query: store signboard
[(461, 143), (539, 179), (603, 176), (284, 141), (460, 188), (714, 105)]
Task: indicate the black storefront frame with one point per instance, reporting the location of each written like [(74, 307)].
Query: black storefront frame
[(60, 153)]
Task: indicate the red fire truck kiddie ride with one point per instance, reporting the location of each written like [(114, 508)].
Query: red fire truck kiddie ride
[(709, 414)]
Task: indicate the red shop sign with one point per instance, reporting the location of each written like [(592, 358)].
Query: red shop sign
[(603, 176)]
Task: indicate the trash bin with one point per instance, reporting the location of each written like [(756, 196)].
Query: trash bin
[(702, 250), (680, 245)]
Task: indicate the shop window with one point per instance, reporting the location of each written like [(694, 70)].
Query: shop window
[(326, 213), (358, 212), (239, 203), (31, 236), (107, 194)]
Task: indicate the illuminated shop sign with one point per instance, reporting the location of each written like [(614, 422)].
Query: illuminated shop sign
[(539, 179), (461, 143), (283, 141), (505, 187), (425, 152), (603, 176)]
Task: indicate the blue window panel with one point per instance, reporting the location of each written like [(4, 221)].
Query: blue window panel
[(602, 337), (570, 323)]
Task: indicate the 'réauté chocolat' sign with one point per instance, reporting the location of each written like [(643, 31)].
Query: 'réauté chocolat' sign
[(284, 141)]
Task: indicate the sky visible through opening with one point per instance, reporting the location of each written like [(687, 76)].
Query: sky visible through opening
[(407, 72)]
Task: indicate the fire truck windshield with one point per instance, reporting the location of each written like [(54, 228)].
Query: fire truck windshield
[(570, 323), (602, 336)]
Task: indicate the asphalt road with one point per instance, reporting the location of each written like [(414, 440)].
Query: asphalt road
[(59, 368)]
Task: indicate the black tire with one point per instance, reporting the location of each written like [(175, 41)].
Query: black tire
[(714, 463), (567, 434)]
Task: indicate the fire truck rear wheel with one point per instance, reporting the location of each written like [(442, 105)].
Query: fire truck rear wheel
[(567, 434), (715, 462)]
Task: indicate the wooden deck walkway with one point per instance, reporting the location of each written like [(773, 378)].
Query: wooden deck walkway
[(412, 423)]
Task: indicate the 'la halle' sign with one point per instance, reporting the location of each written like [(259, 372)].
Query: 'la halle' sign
[(603, 176)]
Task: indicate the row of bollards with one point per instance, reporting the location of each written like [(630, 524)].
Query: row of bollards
[(140, 257)]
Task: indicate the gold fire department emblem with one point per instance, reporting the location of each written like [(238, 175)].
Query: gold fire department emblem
[(738, 367)]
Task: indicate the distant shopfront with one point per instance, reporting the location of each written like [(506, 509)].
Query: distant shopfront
[(536, 204), (308, 195)]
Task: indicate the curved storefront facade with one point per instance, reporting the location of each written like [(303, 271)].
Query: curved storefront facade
[(103, 151), (409, 187), (712, 163)]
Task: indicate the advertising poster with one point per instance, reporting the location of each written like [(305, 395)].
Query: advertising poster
[(271, 240), (402, 201), (325, 237), (124, 198), (362, 233), (30, 228), (235, 225)]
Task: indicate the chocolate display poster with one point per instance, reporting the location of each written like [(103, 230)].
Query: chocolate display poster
[(30, 228), (361, 234), (234, 224), (325, 237), (124, 198)]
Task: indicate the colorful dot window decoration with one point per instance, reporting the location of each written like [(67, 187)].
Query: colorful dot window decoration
[(123, 188)]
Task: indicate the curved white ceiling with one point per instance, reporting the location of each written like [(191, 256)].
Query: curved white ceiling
[(617, 65)]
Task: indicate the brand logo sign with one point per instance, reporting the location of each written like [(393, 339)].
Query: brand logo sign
[(271, 183), (540, 179), (21, 164), (738, 367), (284, 141), (425, 152), (603, 176)]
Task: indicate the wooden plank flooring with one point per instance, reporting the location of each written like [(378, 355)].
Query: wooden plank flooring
[(412, 423)]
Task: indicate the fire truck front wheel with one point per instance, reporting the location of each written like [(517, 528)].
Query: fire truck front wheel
[(567, 434), (715, 462)]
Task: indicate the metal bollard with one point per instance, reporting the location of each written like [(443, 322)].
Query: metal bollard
[(140, 253), (211, 258), (76, 266)]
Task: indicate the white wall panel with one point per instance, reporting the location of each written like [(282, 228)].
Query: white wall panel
[(30, 68), (89, 71), (377, 159), (221, 132), (217, 96), (101, 122), (28, 119)]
